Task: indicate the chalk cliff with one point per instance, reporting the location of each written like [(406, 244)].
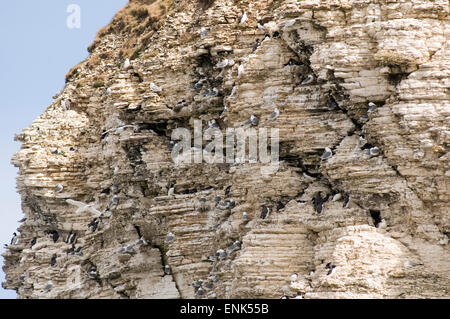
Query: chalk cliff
[(372, 221)]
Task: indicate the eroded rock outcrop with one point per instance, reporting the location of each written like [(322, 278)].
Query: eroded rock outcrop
[(354, 225)]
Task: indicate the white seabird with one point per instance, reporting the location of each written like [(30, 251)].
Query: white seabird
[(374, 151), (82, 207), (169, 237), (58, 189), (240, 70), (202, 32), (223, 64), (372, 107), (107, 92), (308, 79), (243, 18), (65, 104), (326, 154), (155, 88), (274, 115), (126, 64), (252, 121), (224, 112), (171, 190)]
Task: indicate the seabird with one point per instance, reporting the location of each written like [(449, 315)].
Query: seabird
[(200, 292), (223, 205), (240, 70), (94, 224), (58, 189), (294, 277), (318, 202), (261, 27), (197, 284), (126, 64), (116, 170), (155, 88), (217, 199), (48, 288), (82, 207), (256, 45), (244, 216), (274, 115), (53, 261), (409, 264), (228, 190), (326, 154), (293, 62), (114, 201), (372, 107), (54, 234), (252, 121), (169, 237), (374, 151), (22, 220), (332, 105), (167, 270), (331, 270), (223, 64), (171, 190), (308, 79), (337, 197), (382, 224), (14, 239), (202, 32), (92, 273), (265, 211), (364, 118), (243, 18), (224, 112), (107, 92), (33, 241)]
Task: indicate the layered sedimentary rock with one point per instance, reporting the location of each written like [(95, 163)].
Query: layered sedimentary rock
[(363, 223)]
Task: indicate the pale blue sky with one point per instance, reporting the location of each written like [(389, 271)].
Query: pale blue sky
[(36, 51)]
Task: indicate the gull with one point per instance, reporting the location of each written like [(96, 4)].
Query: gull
[(107, 92), (337, 197), (65, 104), (167, 270), (155, 88), (294, 277), (58, 189), (260, 27), (203, 32), (116, 170), (372, 107), (169, 237), (223, 64), (243, 18), (82, 207), (326, 154), (374, 151), (126, 64), (274, 115), (244, 216), (252, 121), (308, 79), (240, 70), (171, 190)]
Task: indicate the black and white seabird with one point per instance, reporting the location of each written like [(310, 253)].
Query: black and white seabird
[(14, 240), (167, 270), (318, 201), (71, 238), (224, 112), (265, 211), (54, 234), (22, 220), (33, 241), (308, 79), (244, 216), (256, 45), (274, 115), (217, 199), (228, 190), (53, 261), (332, 104), (92, 273), (326, 154)]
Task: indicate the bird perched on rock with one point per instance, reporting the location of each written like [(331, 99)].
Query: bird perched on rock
[(171, 190), (223, 64), (318, 202), (372, 107), (58, 189), (169, 237), (332, 105), (167, 270), (82, 207), (337, 197), (274, 115), (107, 92), (14, 240), (243, 18), (202, 32), (126, 65), (155, 88), (309, 79), (326, 154), (65, 104), (240, 70), (252, 121), (244, 216), (265, 211), (22, 220), (92, 273), (374, 151), (294, 277)]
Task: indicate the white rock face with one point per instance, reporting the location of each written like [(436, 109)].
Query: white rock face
[(392, 54)]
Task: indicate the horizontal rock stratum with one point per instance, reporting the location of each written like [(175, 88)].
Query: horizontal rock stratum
[(371, 221)]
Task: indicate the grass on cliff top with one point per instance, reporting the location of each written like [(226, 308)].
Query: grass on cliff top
[(137, 21)]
